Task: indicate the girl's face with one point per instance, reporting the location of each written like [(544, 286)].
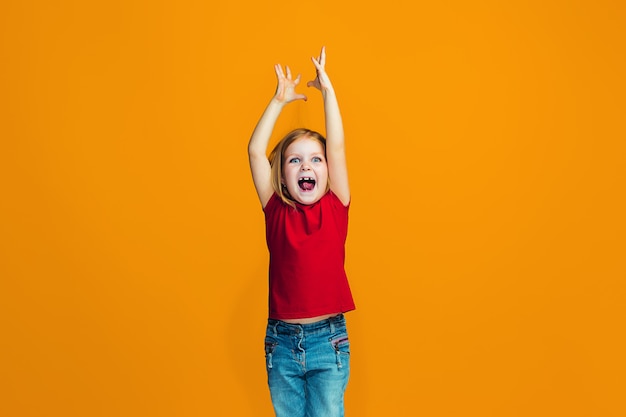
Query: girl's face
[(305, 172)]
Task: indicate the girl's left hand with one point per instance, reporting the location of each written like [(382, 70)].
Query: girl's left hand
[(321, 82)]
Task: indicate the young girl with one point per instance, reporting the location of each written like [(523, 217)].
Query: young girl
[(304, 191)]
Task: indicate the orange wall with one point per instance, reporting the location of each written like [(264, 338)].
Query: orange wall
[(486, 250)]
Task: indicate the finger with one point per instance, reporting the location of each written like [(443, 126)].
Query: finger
[(316, 63), (323, 56), (297, 80), (288, 72), (279, 70), (301, 97)]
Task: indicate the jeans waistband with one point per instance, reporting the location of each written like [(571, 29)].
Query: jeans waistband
[(279, 326)]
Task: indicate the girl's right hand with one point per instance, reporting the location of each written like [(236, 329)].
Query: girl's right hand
[(286, 88)]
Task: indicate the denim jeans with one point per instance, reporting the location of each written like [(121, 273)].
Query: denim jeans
[(308, 366)]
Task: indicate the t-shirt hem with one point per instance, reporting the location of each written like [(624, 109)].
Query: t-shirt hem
[(292, 316)]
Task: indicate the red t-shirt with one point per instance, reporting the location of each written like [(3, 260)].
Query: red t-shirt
[(307, 252)]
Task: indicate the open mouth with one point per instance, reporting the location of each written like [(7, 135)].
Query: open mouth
[(306, 183)]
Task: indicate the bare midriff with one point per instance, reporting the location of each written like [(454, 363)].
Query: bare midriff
[(310, 320)]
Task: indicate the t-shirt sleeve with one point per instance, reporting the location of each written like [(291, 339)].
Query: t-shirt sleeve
[(271, 204), (336, 202)]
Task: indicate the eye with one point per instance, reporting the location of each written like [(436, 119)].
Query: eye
[(317, 159), (294, 160)]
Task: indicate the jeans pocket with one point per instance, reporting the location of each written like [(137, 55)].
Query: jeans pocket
[(270, 346), (341, 345)]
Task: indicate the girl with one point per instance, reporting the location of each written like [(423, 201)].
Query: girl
[(304, 191)]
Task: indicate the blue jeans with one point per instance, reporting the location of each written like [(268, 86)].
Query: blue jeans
[(308, 366)]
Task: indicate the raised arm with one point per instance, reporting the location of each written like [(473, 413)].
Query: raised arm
[(335, 144), (257, 147)]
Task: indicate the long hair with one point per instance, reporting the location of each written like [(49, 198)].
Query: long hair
[(277, 157)]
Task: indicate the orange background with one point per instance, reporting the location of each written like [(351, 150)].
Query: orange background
[(487, 239)]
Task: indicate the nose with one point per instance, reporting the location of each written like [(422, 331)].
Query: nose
[(305, 167)]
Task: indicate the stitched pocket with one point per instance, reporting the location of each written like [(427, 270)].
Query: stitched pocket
[(270, 346), (341, 345)]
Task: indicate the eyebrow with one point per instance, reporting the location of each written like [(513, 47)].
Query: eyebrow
[(299, 155)]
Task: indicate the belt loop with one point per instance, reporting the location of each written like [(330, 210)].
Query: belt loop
[(331, 321), (275, 325)]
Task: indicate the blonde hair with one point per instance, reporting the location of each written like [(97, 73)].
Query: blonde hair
[(277, 156)]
